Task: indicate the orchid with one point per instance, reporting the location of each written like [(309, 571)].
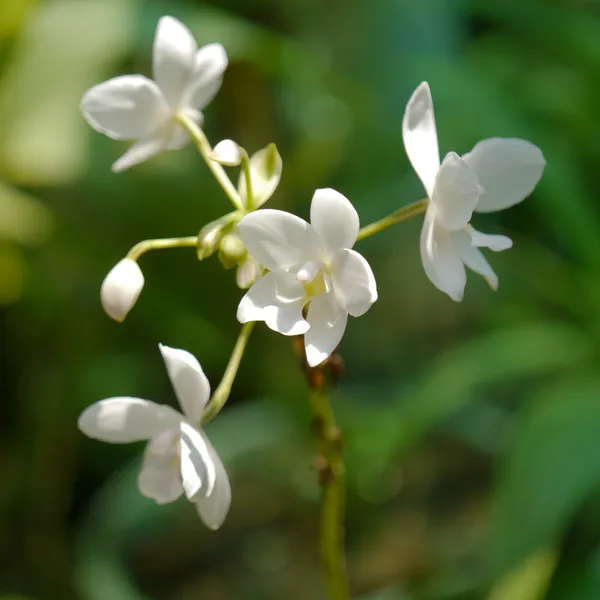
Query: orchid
[(135, 108), (310, 264), (179, 458), (497, 174)]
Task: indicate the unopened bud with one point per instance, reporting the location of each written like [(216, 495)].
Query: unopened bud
[(209, 237), (228, 153), (232, 248), (247, 273), (121, 289)]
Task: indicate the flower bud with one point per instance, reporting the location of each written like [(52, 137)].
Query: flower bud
[(247, 273), (231, 249), (228, 153), (121, 289)]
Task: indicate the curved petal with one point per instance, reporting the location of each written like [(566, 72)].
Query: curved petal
[(441, 262), (189, 381), (159, 477), (354, 282), (124, 108), (214, 508), (455, 193), (334, 218), (198, 473), (123, 419), (496, 243), (173, 59), (276, 299), (210, 63), (327, 326), (473, 257), (266, 167), (277, 239), (508, 170), (420, 136), (138, 153)]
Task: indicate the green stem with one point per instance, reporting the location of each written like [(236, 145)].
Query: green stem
[(205, 149), (147, 245), (248, 177), (332, 479), (221, 394), (403, 214)]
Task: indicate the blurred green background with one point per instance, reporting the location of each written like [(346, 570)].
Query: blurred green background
[(473, 429)]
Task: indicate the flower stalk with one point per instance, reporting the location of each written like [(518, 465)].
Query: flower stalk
[(205, 149), (398, 216), (221, 394), (146, 245)]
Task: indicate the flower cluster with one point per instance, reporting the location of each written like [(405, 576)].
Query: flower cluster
[(301, 278)]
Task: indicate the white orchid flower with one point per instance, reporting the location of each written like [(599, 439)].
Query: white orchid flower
[(135, 108), (309, 263), (496, 174), (179, 458)]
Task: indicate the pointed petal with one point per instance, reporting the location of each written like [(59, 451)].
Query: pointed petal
[(441, 262), (189, 381), (266, 167), (214, 508), (173, 59), (508, 170), (159, 478), (123, 419), (198, 473), (327, 326), (124, 108), (276, 299), (210, 63), (334, 218), (455, 193), (354, 282), (473, 257), (420, 136), (277, 239), (138, 153), (227, 153), (496, 243)]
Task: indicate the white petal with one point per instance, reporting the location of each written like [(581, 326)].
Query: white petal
[(266, 167), (198, 473), (214, 508), (227, 152), (455, 192), (125, 108), (277, 239), (276, 299), (354, 282), (189, 381), (441, 262), (173, 59), (508, 170), (140, 152), (210, 63), (473, 257), (420, 136), (327, 326), (122, 420), (159, 477), (121, 289), (496, 243), (334, 218)]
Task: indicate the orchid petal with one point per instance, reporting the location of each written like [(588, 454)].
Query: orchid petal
[(139, 152), (327, 325), (354, 282), (214, 508), (198, 473), (189, 381), (420, 136), (125, 108), (508, 170), (334, 218), (496, 243), (210, 63), (473, 257), (440, 260), (123, 419)]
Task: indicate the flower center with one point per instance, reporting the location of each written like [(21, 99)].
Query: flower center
[(314, 278)]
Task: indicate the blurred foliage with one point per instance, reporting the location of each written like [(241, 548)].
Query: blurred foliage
[(472, 429)]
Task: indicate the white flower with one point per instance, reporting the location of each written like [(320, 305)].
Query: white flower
[(308, 263), (496, 174), (133, 107), (179, 458), (121, 289)]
